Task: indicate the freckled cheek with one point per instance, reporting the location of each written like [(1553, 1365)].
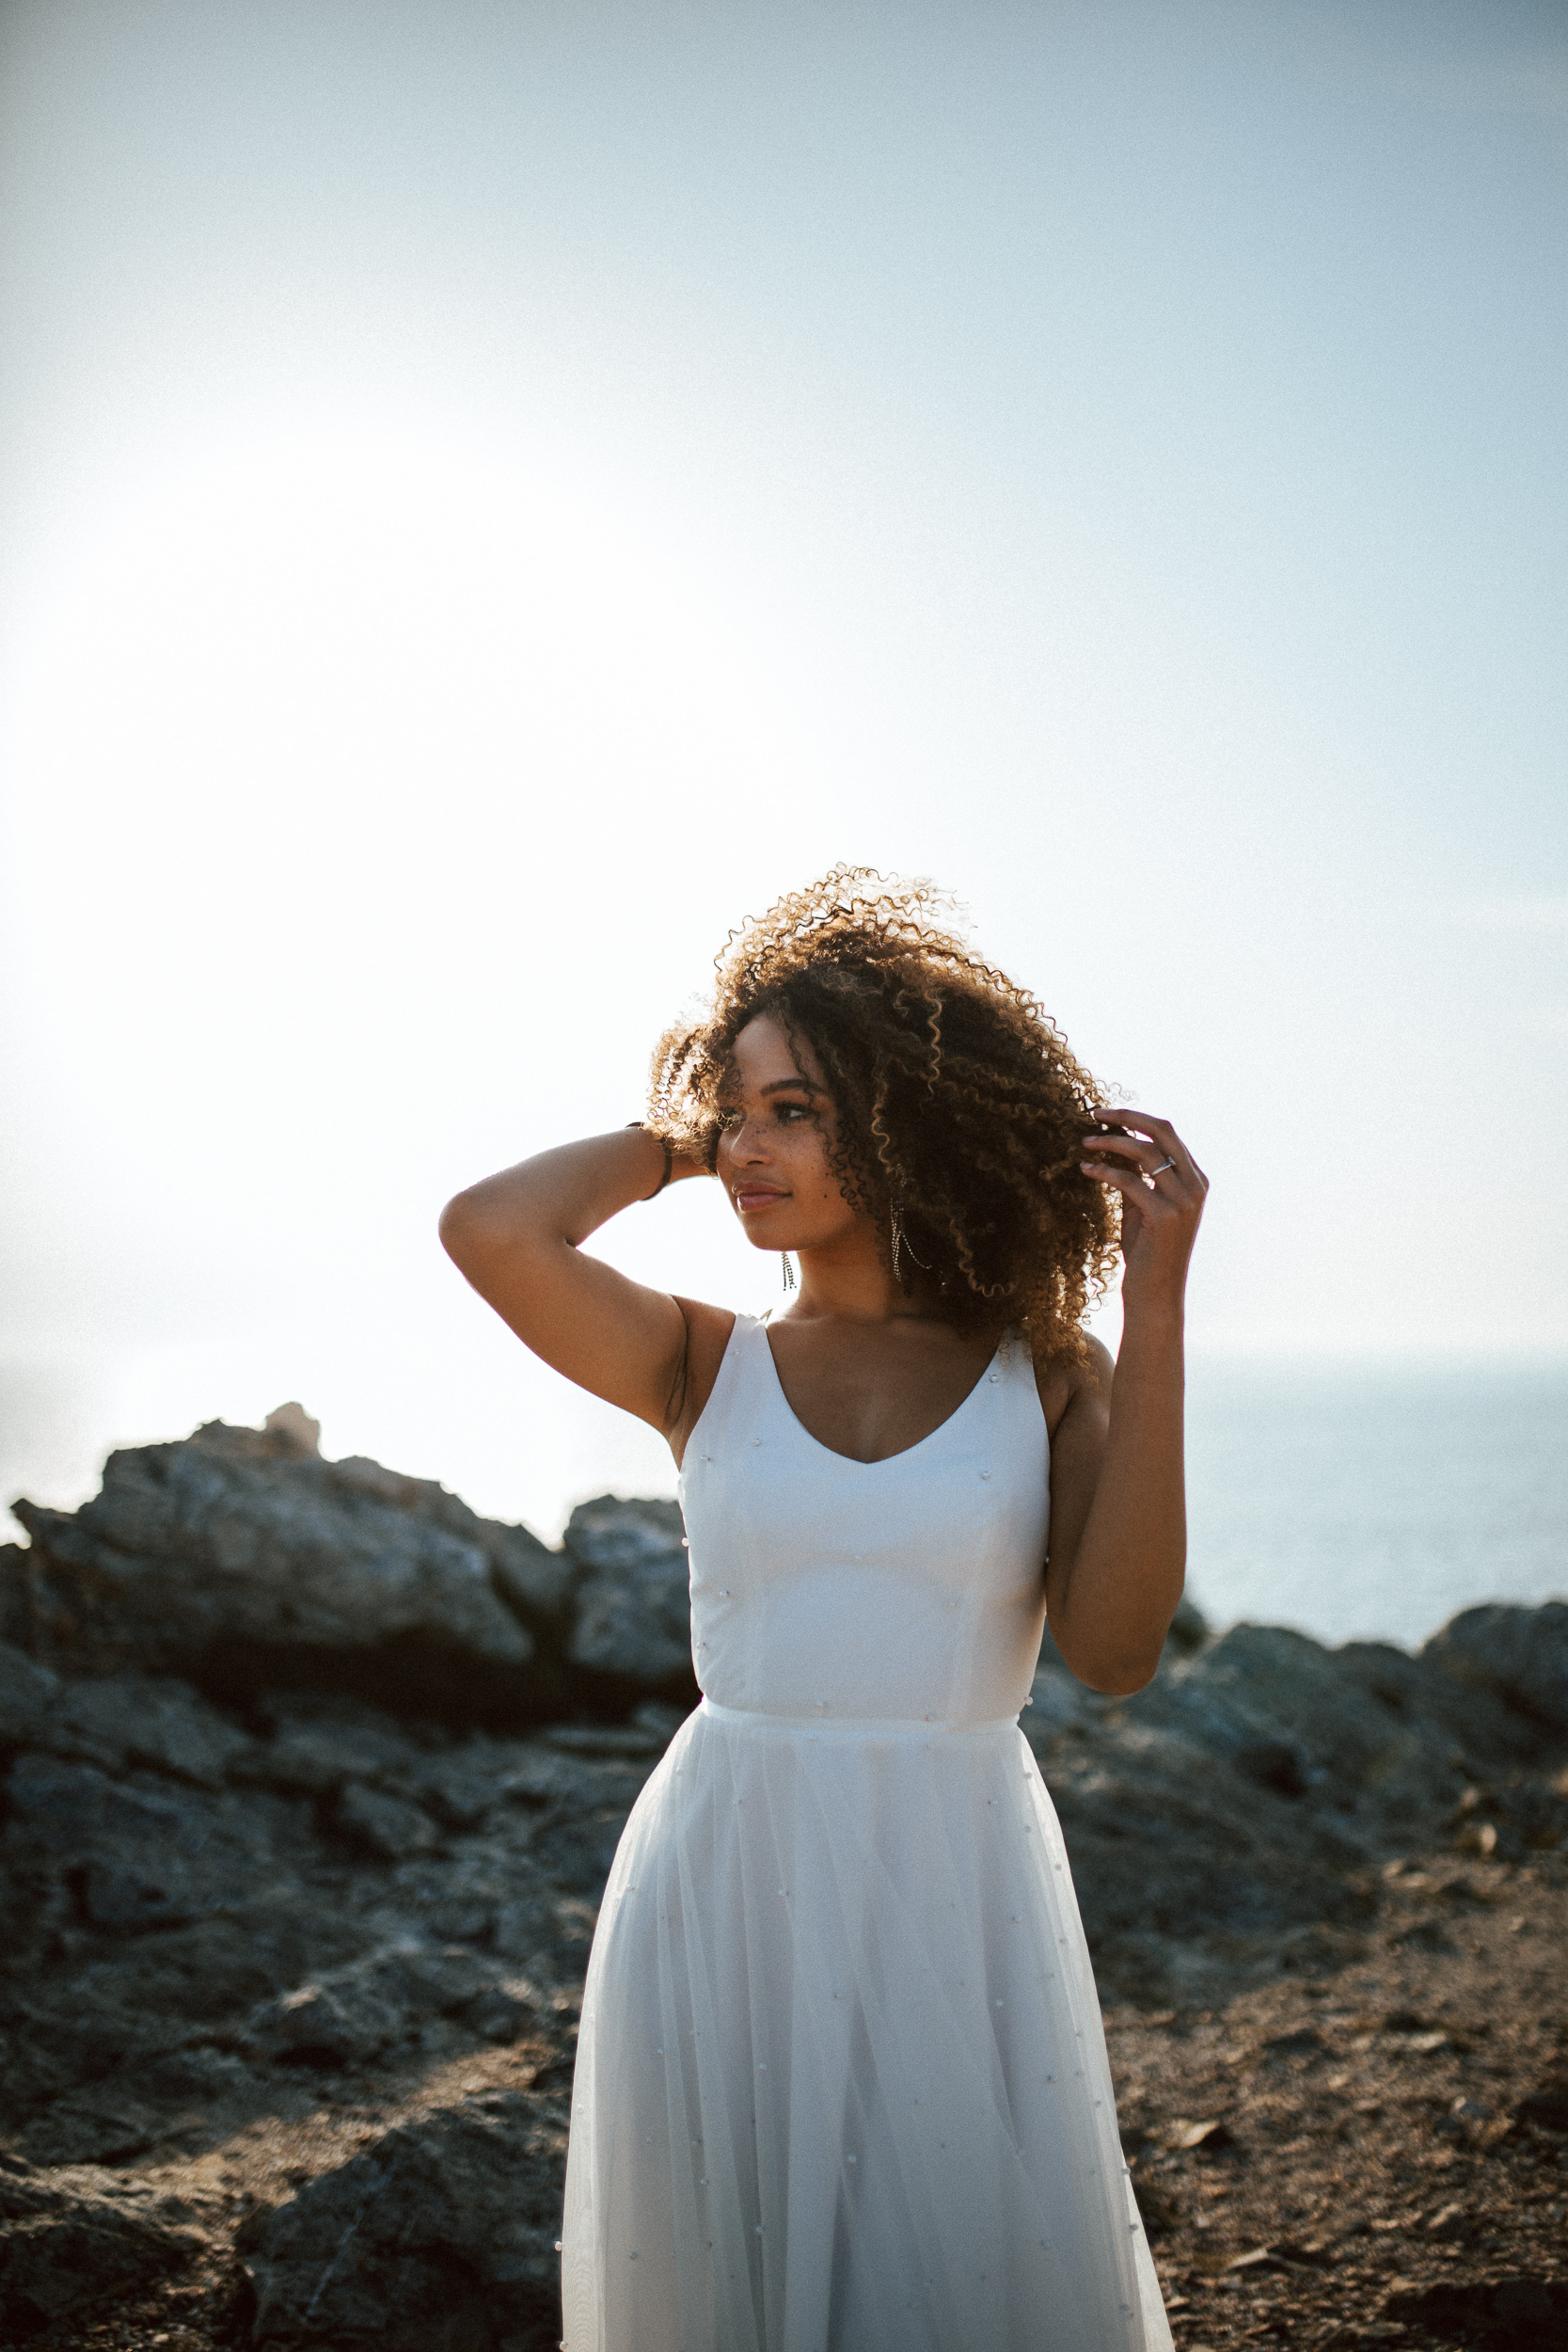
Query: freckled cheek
[(813, 1179), (807, 1160), (796, 1159)]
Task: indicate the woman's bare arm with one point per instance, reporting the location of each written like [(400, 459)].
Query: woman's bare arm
[(518, 1237), (1118, 1532), (1119, 1527)]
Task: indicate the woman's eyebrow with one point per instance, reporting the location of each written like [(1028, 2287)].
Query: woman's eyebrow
[(781, 1086)]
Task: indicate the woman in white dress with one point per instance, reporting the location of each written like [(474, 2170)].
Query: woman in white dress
[(841, 2085)]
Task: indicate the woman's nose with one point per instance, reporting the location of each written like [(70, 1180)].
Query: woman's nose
[(750, 1142)]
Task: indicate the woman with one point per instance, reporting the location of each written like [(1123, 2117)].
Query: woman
[(841, 2084)]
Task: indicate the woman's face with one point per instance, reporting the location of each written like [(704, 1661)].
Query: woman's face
[(773, 1151)]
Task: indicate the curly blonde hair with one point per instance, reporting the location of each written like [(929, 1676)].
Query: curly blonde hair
[(959, 1106)]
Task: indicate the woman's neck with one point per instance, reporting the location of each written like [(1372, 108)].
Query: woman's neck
[(846, 1278)]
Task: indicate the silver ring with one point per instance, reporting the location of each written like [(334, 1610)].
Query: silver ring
[(1163, 1165)]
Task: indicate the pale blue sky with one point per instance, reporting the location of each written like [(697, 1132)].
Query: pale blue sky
[(490, 494)]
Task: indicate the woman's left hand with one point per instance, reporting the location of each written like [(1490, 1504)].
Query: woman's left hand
[(1163, 1191)]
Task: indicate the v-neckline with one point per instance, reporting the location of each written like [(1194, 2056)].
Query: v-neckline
[(904, 1452)]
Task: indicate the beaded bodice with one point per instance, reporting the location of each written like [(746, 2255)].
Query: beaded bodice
[(827, 1588)]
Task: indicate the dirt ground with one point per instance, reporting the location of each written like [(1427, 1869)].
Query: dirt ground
[(1373, 2156), (1318, 2157)]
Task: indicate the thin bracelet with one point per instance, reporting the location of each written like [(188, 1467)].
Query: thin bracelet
[(668, 1159)]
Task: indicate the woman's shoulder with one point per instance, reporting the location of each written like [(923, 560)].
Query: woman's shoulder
[(708, 1332), (1062, 1380)]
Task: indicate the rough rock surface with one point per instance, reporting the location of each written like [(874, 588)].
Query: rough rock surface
[(1522, 1655), (71, 2236), (450, 2221), (242, 1561), (289, 1987), (633, 1615)]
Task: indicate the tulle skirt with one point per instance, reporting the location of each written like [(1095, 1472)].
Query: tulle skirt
[(841, 2084)]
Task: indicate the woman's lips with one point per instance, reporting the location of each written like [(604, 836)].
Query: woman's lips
[(756, 1196)]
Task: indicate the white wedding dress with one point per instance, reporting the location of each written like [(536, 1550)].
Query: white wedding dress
[(842, 2082)]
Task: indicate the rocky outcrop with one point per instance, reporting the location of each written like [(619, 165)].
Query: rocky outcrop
[(443, 2234), (1520, 1656), (632, 1611), (240, 1561), (1255, 1786), (70, 2237), (310, 1782)]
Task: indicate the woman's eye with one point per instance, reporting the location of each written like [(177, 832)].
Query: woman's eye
[(788, 1114)]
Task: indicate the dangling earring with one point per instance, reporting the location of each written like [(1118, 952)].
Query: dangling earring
[(788, 1270), (901, 1248)]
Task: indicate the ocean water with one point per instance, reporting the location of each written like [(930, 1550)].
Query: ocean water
[(1375, 1501)]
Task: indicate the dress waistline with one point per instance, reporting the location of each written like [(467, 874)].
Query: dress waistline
[(825, 1725)]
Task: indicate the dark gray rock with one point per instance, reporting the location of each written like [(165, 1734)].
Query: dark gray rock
[(352, 2015), (1365, 1728), (73, 2237), (115, 2040), (341, 2023), (1276, 1706), (28, 1691), (17, 1613), (107, 2126), (136, 1719), (1520, 1654), (535, 1579), (139, 1853), (144, 2102), (1241, 1805), (241, 1560), (441, 2238), (1178, 1853), (633, 1604), (233, 1566), (463, 1787), (1463, 1715), (221, 1965), (318, 1755), (383, 1825)]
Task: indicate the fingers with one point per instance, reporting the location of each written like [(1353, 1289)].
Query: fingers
[(1151, 1165), (1139, 1123), (1129, 1147), (1130, 1181), (1149, 1139)]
